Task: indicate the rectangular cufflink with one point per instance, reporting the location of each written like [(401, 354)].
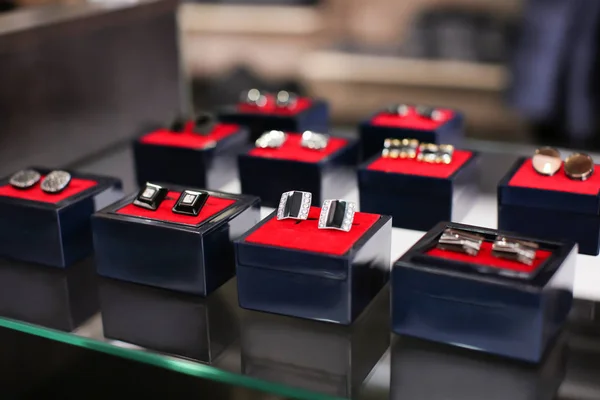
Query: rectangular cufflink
[(396, 148), (150, 196), (460, 241), (294, 205), (190, 202), (337, 214), (513, 249), (433, 153)]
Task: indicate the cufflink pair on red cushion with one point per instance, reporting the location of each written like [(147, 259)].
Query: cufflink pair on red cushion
[(190, 202)]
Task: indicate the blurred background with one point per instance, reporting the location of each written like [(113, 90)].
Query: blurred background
[(521, 70)]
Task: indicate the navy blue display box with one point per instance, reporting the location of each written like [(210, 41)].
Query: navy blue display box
[(291, 267), (184, 253), (482, 302), (187, 158), (382, 125), (308, 114), (178, 324), (551, 207), (431, 192), (327, 174), (53, 229)]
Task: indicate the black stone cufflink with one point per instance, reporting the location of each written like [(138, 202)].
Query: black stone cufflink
[(294, 205), (190, 202), (337, 214), (204, 124), (151, 196), (177, 125)]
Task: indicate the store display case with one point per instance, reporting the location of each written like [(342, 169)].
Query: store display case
[(185, 253), (481, 300), (52, 228)]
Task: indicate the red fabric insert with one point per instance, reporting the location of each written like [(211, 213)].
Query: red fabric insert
[(484, 257), (165, 213), (528, 178), (292, 150), (305, 235), (413, 167), (164, 137), (37, 194), (302, 104), (412, 120)]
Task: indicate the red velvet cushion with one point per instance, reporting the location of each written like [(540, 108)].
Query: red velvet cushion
[(414, 167), (301, 104), (305, 235), (164, 137), (528, 178), (37, 194), (484, 257), (164, 212), (412, 120), (291, 150)]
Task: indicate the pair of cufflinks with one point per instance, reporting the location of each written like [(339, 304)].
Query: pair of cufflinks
[(190, 202), (54, 182), (335, 214), (258, 98), (503, 246), (276, 139), (204, 123), (411, 149), (547, 161), (427, 112)]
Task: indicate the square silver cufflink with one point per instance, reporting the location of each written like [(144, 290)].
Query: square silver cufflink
[(337, 214), (294, 205), (314, 141), (151, 196), (460, 241), (190, 202)]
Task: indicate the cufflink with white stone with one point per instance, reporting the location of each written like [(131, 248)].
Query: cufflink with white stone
[(190, 202), (255, 97), (25, 179), (151, 196), (271, 140), (396, 148), (337, 214), (294, 205), (55, 182), (314, 141), (285, 99)]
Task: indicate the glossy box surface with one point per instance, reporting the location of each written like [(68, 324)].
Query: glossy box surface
[(53, 229), (187, 158), (468, 304), (552, 207), (419, 195), (382, 125), (292, 268), (173, 251), (327, 174)]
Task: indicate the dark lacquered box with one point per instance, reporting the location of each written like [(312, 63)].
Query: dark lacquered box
[(306, 114), (552, 207), (291, 267), (327, 174), (53, 229), (382, 125), (173, 323), (325, 358), (416, 194), (188, 158), (190, 254), (482, 302)]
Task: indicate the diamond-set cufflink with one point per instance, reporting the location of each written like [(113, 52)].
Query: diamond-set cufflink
[(337, 214), (314, 141), (24, 179), (434, 153), (190, 202), (400, 148), (271, 140), (55, 182), (151, 196), (294, 205)]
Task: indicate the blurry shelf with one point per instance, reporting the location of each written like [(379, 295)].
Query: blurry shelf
[(334, 66), (239, 19)]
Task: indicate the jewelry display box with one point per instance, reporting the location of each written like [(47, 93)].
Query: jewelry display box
[(417, 194), (53, 229), (187, 158), (325, 358), (494, 305), (305, 115), (383, 124), (184, 253), (553, 207), (177, 324), (292, 267), (326, 173)]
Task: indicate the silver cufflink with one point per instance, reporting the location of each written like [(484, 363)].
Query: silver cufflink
[(337, 214), (190, 202), (460, 241), (400, 148), (150, 197), (399, 109), (429, 113), (271, 140), (314, 141), (55, 182), (513, 249), (255, 97), (286, 99), (294, 205), (25, 179)]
